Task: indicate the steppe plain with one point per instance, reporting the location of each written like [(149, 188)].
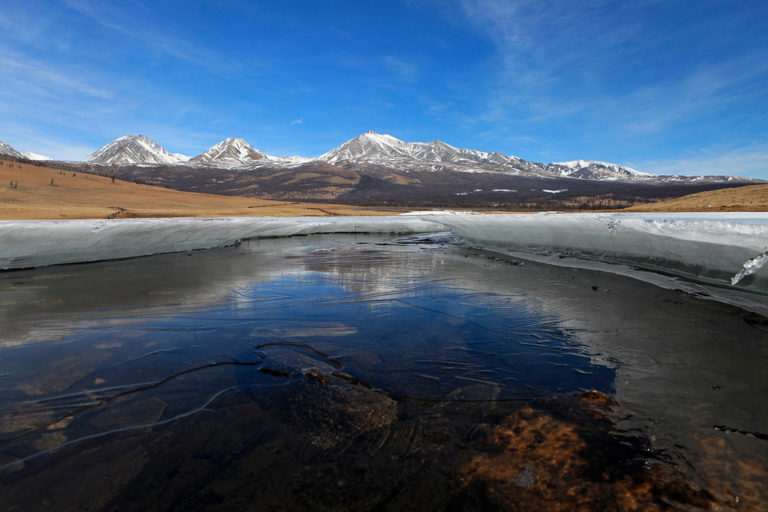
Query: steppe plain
[(34, 193)]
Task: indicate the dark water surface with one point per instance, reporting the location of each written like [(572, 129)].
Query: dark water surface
[(373, 373)]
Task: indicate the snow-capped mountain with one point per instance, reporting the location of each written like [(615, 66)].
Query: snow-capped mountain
[(592, 170), (231, 152), (134, 149), (390, 152), (380, 148), (36, 157), (7, 150), (374, 153), (385, 150)]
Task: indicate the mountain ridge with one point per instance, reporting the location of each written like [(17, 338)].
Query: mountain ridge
[(7, 150), (134, 149), (385, 171), (372, 149), (234, 151)]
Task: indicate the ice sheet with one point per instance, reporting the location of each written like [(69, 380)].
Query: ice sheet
[(725, 249), (719, 248), (27, 244)]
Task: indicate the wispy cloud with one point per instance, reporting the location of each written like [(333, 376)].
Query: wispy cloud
[(402, 69), (25, 137), (547, 52), (30, 75), (40, 98), (116, 17), (60, 150), (300, 120), (540, 40), (589, 71), (31, 26), (651, 108), (751, 160), (707, 90)]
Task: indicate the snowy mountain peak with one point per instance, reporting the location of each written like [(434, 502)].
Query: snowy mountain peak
[(592, 169), (379, 140), (134, 149), (7, 150), (34, 156), (386, 150), (370, 146), (232, 151), (381, 137)]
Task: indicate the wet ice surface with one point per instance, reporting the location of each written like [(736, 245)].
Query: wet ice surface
[(356, 372), (723, 249)]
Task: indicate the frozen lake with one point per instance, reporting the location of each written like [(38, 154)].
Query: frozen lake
[(363, 372)]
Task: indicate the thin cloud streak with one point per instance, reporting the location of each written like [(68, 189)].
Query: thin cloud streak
[(176, 47), (749, 160), (402, 69), (30, 75)]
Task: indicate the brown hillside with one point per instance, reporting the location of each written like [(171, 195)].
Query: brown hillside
[(33, 192), (753, 198)]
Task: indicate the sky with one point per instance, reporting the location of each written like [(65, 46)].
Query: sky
[(672, 86)]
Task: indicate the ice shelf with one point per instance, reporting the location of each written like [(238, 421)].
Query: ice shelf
[(28, 243), (718, 248), (728, 249)]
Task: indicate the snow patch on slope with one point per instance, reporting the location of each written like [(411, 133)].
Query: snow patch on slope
[(34, 156)]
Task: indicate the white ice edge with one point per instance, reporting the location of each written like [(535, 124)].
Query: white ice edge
[(719, 248), (723, 248), (28, 243)]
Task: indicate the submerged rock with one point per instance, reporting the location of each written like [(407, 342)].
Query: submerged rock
[(329, 410), (326, 404), (567, 456)]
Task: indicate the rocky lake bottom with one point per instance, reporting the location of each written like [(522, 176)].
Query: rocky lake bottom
[(374, 372)]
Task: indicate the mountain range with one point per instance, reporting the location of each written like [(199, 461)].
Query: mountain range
[(375, 168), (370, 148)]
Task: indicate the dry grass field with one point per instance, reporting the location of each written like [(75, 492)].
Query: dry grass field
[(752, 198), (32, 192)]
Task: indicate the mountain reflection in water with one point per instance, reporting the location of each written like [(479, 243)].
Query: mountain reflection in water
[(373, 372)]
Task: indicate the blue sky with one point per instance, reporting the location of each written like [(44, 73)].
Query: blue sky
[(663, 86)]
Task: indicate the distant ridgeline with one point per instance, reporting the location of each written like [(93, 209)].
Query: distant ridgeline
[(378, 169)]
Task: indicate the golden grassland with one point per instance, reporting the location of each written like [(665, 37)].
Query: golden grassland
[(751, 198), (32, 192)]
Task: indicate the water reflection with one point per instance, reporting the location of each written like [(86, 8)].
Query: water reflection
[(311, 364)]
